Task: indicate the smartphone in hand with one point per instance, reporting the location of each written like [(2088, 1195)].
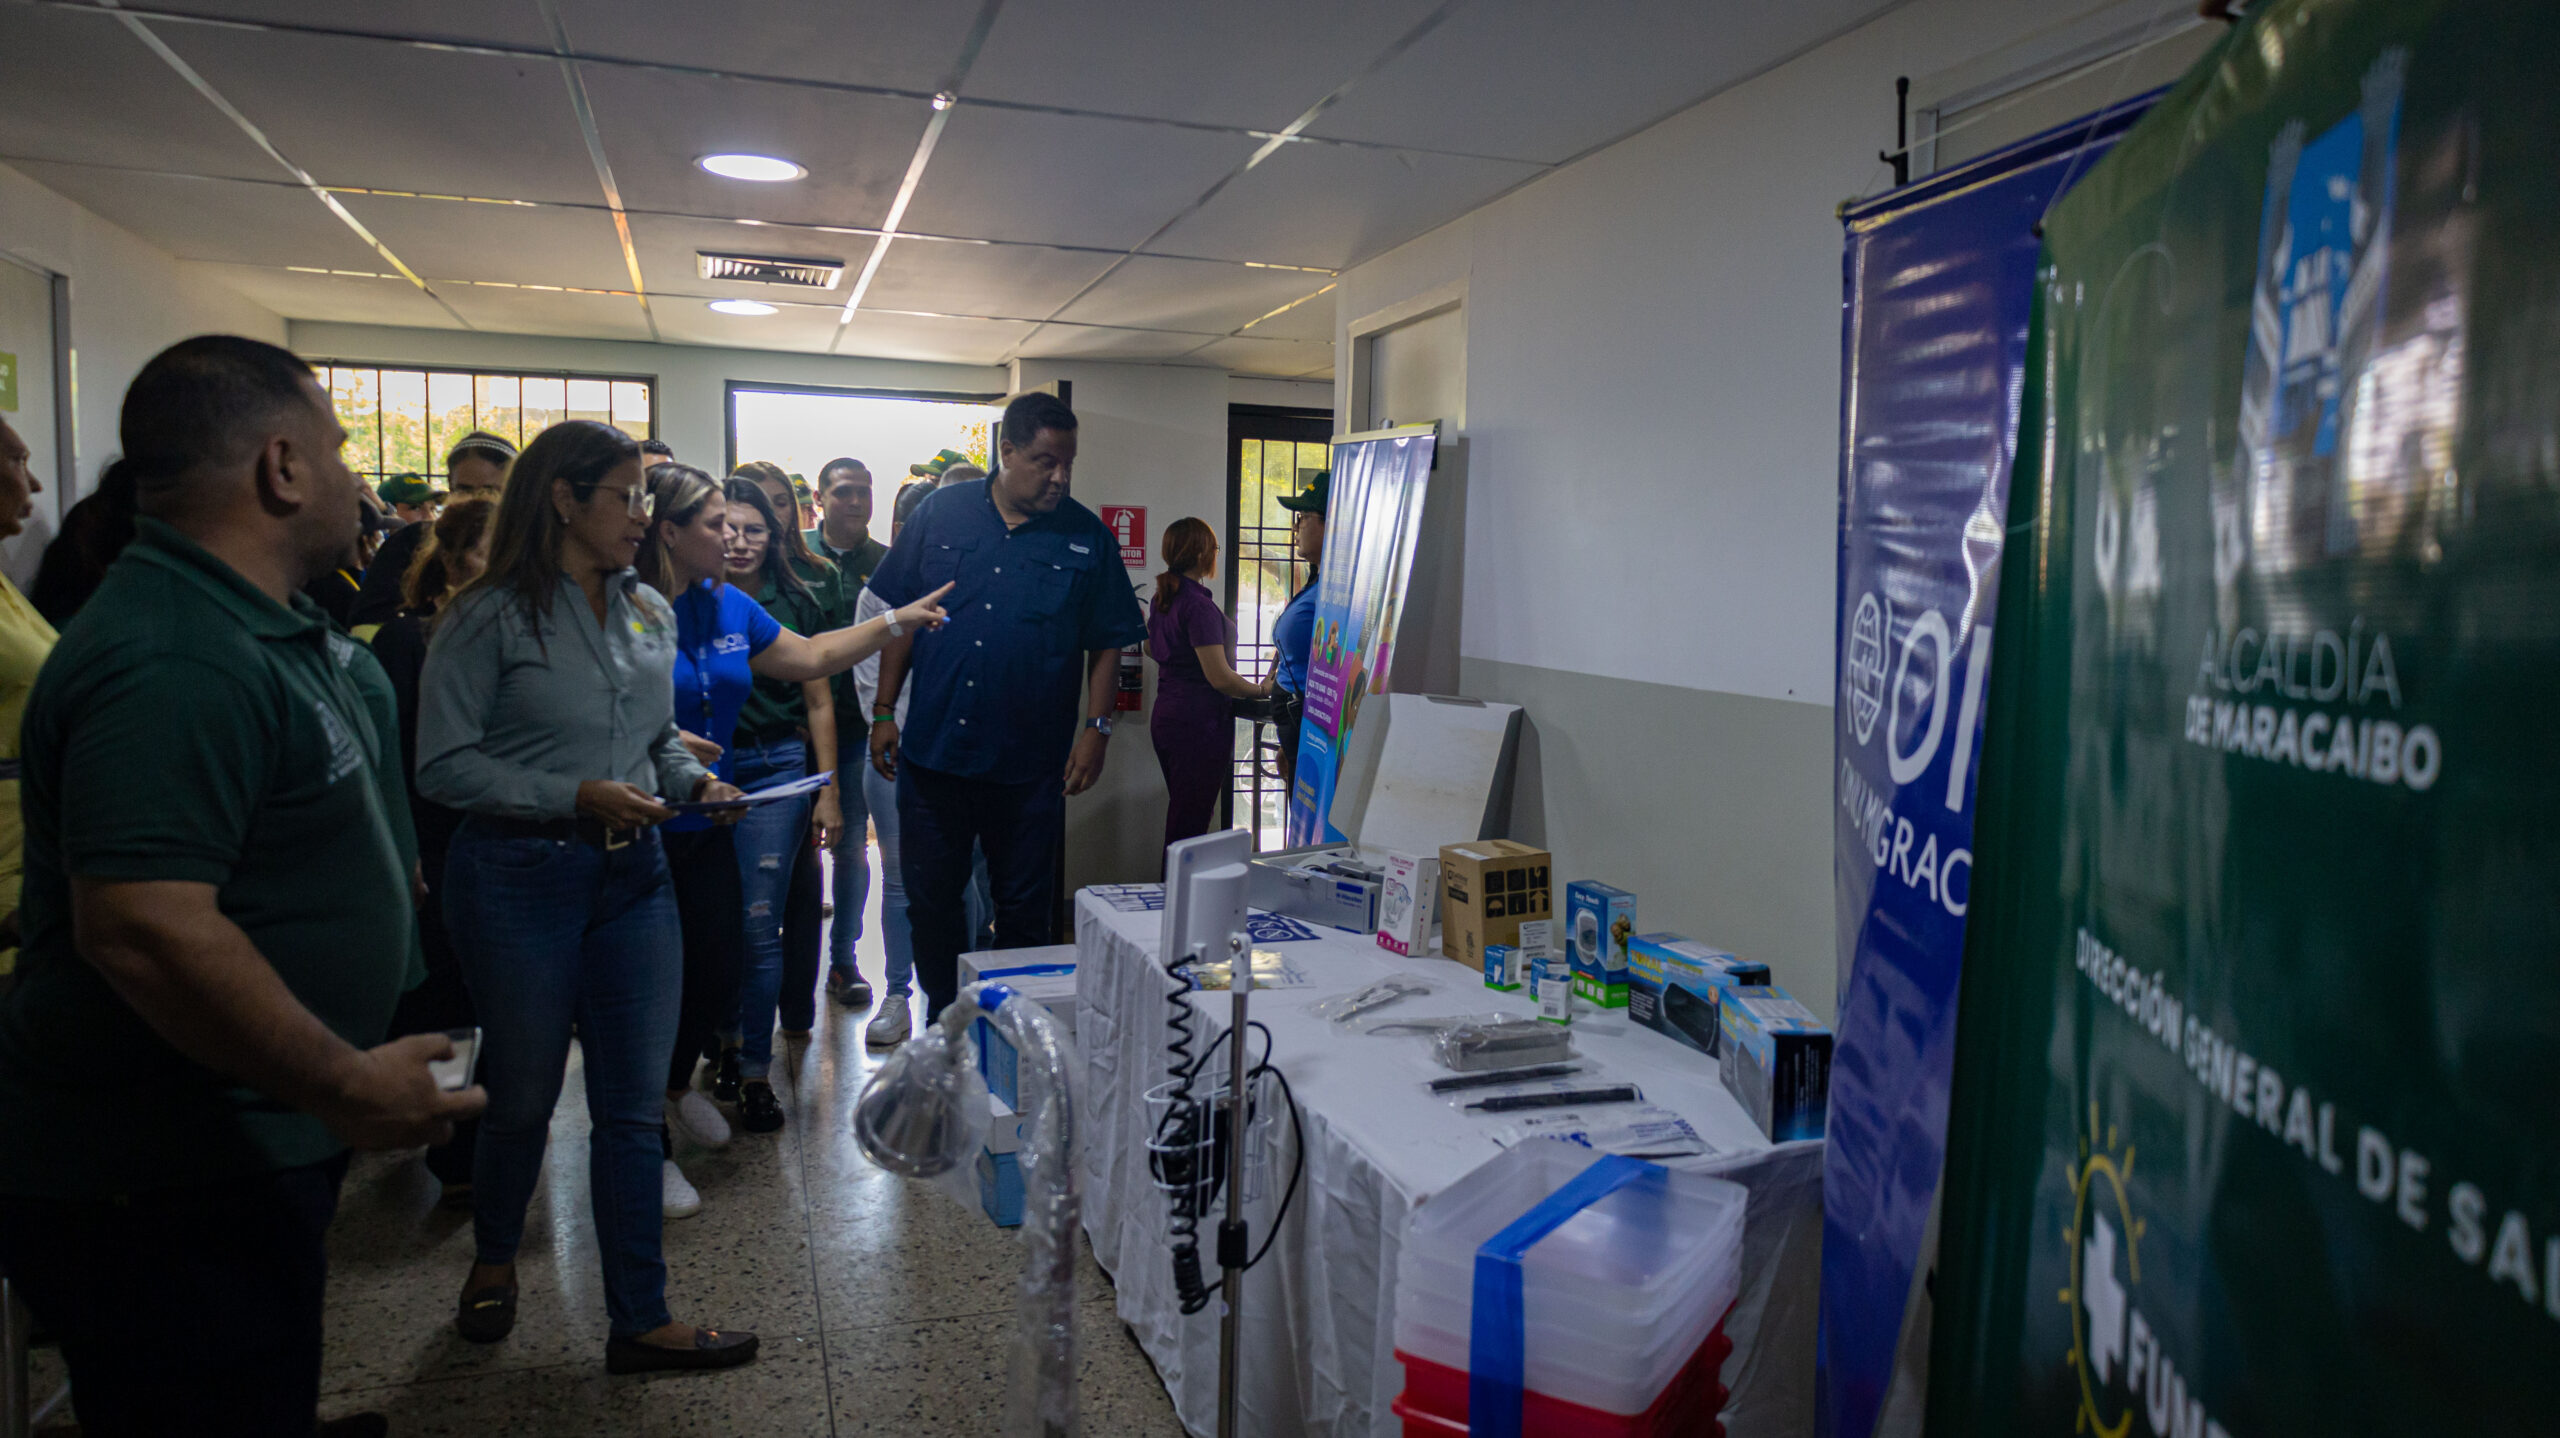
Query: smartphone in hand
[(463, 1069)]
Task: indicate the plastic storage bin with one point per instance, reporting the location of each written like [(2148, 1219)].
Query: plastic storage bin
[(1434, 1403), (1619, 1303)]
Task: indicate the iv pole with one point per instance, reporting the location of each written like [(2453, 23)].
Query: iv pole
[(1232, 1244)]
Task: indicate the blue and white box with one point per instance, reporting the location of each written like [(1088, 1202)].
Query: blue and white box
[(1047, 976), (1676, 987), (1600, 922), (1776, 1061)]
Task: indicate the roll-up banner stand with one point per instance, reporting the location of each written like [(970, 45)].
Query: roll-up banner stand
[(1938, 280), (1371, 524), (2257, 1131)]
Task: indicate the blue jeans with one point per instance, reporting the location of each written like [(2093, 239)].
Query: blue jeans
[(897, 933), (942, 818), (550, 933), (768, 838), (850, 887)]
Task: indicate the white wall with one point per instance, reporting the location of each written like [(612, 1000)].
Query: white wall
[(692, 379), (1152, 435), (1652, 355), (129, 301)]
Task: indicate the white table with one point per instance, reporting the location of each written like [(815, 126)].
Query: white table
[(1319, 1325)]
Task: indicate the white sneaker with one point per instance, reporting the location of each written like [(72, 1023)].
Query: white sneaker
[(676, 1198), (889, 1027), (698, 1118)]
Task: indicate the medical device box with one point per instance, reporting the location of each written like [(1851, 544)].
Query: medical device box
[(1486, 888), (1600, 921), (1418, 771), (1676, 987), (1776, 1061), (1046, 976), (1408, 904)]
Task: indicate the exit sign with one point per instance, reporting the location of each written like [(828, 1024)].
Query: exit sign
[(1128, 524)]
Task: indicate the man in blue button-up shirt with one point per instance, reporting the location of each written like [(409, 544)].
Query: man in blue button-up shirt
[(992, 739)]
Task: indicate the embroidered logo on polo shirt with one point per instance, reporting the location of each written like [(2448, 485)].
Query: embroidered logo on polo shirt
[(1078, 548), (344, 756), (729, 644), (342, 649)]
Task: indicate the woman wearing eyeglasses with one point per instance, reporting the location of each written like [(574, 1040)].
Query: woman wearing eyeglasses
[(547, 717)]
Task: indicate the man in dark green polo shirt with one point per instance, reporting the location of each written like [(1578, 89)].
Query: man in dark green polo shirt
[(218, 921), (843, 538)]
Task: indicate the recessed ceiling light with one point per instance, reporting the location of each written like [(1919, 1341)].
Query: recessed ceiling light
[(742, 307), (752, 167)]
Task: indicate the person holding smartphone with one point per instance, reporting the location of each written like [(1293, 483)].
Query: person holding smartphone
[(217, 914), (546, 715)]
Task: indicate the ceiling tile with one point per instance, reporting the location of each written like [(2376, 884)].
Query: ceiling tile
[(804, 328), (655, 125), (520, 244), (1072, 341), (231, 221), (1005, 281), (1534, 80), (82, 88), (333, 297), (1278, 358), (1206, 297), (548, 312), (953, 341), (668, 247), (902, 44), (395, 117), (1335, 206), (1065, 180), (1258, 66), (495, 22), (1312, 319)]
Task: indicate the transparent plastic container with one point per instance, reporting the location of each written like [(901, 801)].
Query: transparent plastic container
[(1615, 1302)]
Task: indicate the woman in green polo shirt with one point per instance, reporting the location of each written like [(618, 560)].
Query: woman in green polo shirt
[(785, 730)]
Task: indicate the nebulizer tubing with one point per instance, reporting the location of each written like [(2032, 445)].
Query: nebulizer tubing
[(924, 1114)]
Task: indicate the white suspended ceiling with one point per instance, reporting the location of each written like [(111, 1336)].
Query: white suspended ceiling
[(1168, 181)]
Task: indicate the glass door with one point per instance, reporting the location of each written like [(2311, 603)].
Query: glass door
[(1271, 453)]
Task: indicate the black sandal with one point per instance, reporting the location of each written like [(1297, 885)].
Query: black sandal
[(712, 1348), (487, 1314)]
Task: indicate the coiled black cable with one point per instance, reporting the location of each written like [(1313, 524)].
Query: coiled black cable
[(1178, 1149)]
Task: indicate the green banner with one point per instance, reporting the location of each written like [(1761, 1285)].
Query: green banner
[(2257, 1127)]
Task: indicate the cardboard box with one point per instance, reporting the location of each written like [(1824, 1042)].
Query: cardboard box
[(1486, 888), (1776, 1061), (1421, 770), (1004, 1127), (1600, 921), (1045, 975), (1411, 900), (1675, 986), (1503, 969)]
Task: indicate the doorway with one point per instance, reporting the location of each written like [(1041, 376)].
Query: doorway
[(1271, 452), (801, 427), (35, 399)]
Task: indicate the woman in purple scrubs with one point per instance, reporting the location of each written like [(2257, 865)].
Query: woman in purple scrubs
[(1193, 645)]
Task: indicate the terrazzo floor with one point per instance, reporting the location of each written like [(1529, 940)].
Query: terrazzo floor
[(885, 1306)]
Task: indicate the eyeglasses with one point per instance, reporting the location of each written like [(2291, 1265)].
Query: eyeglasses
[(635, 497)]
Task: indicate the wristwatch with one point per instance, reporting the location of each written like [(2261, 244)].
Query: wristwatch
[(1100, 725)]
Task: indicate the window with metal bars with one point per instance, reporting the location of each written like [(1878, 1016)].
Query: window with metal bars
[(403, 420), (1271, 452)]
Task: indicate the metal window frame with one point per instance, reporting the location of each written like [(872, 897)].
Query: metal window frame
[(380, 468)]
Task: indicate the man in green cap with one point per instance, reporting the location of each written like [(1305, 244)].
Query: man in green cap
[(1294, 632), (411, 499), (942, 460)]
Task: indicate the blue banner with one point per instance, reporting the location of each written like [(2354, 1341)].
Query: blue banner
[(1371, 525), (1938, 278)]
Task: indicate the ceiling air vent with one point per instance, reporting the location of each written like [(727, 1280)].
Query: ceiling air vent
[(800, 273)]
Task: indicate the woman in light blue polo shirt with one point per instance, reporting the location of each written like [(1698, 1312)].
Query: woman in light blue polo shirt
[(1294, 632)]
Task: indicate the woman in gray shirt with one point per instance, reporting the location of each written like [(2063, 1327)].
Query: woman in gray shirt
[(546, 715)]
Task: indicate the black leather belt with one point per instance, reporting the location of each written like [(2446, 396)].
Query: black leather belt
[(581, 830)]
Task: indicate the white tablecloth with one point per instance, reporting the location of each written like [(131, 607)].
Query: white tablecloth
[(1319, 1318)]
